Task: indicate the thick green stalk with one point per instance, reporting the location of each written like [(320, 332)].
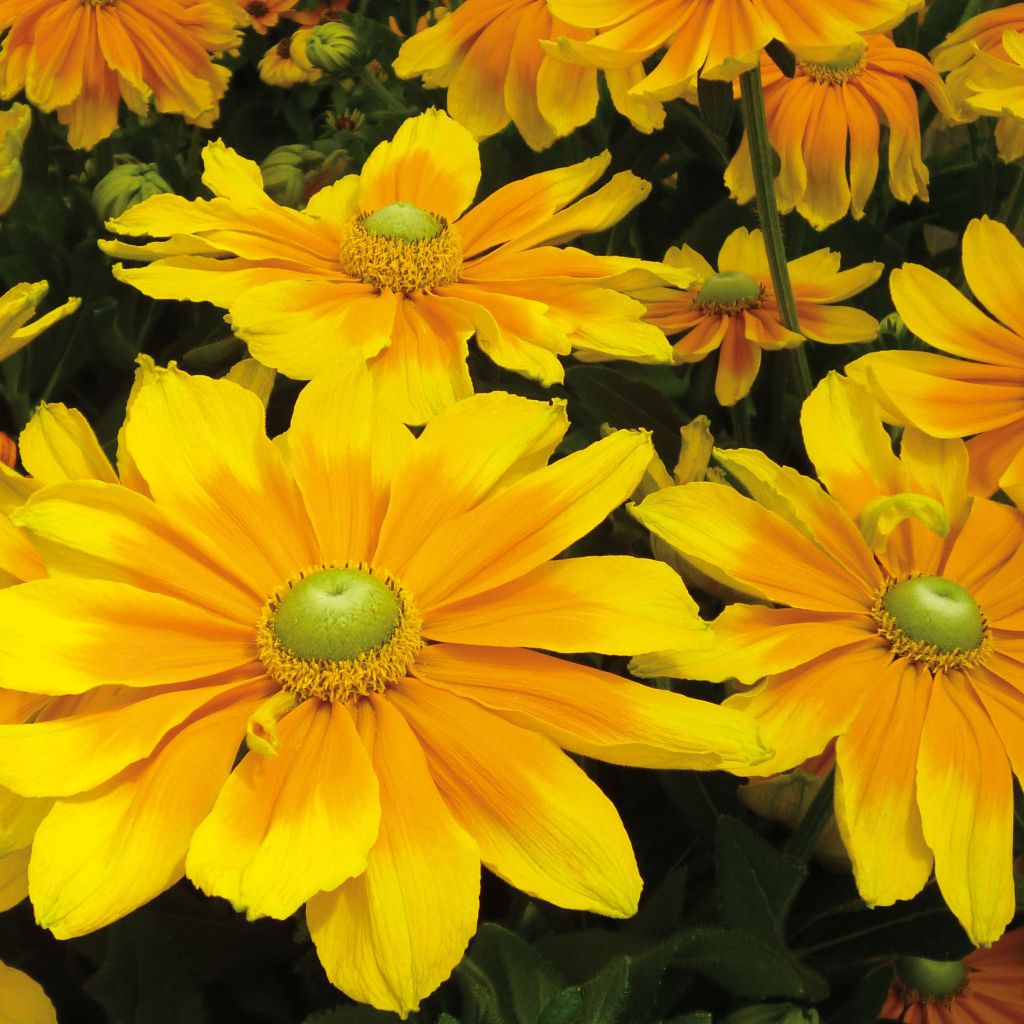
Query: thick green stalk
[(755, 122)]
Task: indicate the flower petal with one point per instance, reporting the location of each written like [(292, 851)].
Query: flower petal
[(58, 444), (994, 268), (24, 1001)]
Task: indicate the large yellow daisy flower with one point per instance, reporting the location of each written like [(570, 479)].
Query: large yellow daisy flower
[(829, 109), (82, 57), (357, 603), (978, 387), (896, 624), (734, 309), (390, 268), (488, 54), (715, 39)]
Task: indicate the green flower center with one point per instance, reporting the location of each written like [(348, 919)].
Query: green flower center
[(932, 979), (936, 611), (729, 291), (403, 222)]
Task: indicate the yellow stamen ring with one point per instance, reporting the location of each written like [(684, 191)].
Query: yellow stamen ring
[(941, 656), (729, 292), (371, 669), (387, 252), (833, 73)]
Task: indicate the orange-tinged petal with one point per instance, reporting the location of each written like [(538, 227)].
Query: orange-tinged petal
[(432, 162), (615, 604), (978, 560), (221, 462), (593, 713), (70, 635), (500, 438), (540, 823), (528, 523), (476, 93), (22, 1000), (716, 525), (99, 856), (991, 454), (965, 792), (750, 642), (287, 827), (340, 449), (799, 711), (58, 444), (392, 935), (994, 268), (876, 798), (738, 363)]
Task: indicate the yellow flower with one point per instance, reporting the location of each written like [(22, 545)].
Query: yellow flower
[(389, 267), (133, 50), (829, 108), (286, 63), (983, 988), (734, 308), (387, 758), (984, 57), (18, 306), (895, 623), (487, 53), (264, 14), (22, 1000), (715, 39), (14, 126), (978, 386)]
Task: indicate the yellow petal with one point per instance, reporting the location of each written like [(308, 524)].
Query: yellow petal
[(13, 884), (994, 267), (593, 713), (58, 444), (540, 823), (392, 935), (287, 827), (22, 1000)]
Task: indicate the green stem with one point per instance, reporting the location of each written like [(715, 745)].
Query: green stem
[(390, 101), (755, 121)]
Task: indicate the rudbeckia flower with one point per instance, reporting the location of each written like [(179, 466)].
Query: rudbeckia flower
[(978, 386), (14, 126), (488, 54), (830, 109), (389, 268), (983, 988), (357, 603), (713, 39), (22, 1000), (82, 57), (265, 14), (286, 63), (734, 308), (984, 57), (895, 626)]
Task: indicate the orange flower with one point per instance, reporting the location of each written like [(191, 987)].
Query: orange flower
[(814, 115), (987, 987), (264, 14), (487, 52), (716, 39), (81, 57)]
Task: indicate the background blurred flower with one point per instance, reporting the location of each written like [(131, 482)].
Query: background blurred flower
[(735, 311), (829, 109), (287, 63), (22, 1000), (389, 268), (14, 126)]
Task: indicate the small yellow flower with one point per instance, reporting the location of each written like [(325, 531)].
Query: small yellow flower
[(287, 63), (14, 125), (734, 308)]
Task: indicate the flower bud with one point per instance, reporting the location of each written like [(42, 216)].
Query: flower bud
[(125, 186), (285, 170), (333, 48)]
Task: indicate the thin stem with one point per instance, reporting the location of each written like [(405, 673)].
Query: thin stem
[(390, 101), (755, 121)]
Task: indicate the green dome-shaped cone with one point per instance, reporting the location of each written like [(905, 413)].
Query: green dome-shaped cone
[(936, 611), (336, 614), (727, 288), (939, 979), (404, 222)]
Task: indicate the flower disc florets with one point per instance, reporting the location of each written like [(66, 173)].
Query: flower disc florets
[(729, 292), (402, 248), (833, 73), (932, 620), (338, 632)]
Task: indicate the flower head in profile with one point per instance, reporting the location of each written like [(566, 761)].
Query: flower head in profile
[(23, 1000), (734, 310), (985, 61), (488, 54), (895, 626), (713, 39), (14, 125), (833, 110), (983, 988), (976, 387), (395, 269), (135, 50), (359, 605), (286, 63)]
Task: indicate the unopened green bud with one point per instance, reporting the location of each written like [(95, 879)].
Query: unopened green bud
[(333, 48), (127, 185), (774, 1013), (285, 172)]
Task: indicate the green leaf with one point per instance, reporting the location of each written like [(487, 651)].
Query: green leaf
[(757, 882), (717, 105), (565, 1008), (691, 1018), (606, 995), (354, 1015), (661, 909)]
